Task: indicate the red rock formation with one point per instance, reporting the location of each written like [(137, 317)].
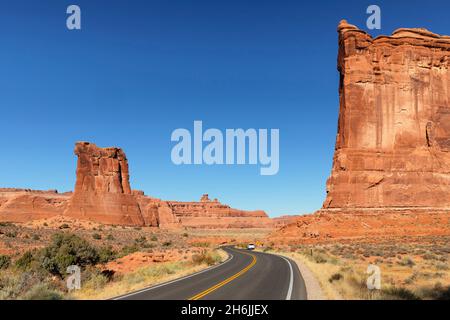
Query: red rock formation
[(212, 214), (391, 167), (393, 141), (284, 220), (103, 195), (157, 212), (102, 189), (22, 205)]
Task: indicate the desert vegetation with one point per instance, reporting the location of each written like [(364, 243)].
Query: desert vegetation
[(114, 260), (411, 268)]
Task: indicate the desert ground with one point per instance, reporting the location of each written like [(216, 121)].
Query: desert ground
[(118, 260)]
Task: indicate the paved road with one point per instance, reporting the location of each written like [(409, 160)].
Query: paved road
[(246, 275)]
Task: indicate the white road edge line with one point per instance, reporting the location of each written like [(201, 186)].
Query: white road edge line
[(291, 280), (173, 281)]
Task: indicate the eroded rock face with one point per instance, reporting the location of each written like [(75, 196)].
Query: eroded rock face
[(22, 205), (393, 141), (102, 190)]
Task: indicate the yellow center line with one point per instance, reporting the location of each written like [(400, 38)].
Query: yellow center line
[(224, 282)]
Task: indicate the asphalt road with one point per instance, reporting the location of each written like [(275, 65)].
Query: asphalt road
[(246, 275)]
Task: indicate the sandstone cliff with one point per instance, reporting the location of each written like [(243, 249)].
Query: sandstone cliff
[(391, 166), (393, 141)]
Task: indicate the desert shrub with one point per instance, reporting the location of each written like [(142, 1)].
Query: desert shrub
[(209, 258), (110, 237), (5, 262), (12, 285), (36, 237), (64, 226), (126, 250), (94, 279), (140, 240), (25, 261), (436, 292), (147, 245), (442, 266), (97, 236), (167, 243), (66, 250), (42, 291), (335, 277), (5, 224), (154, 238), (11, 234), (407, 262), (185, 235), (106, 254), (400, 293), (319, 258)]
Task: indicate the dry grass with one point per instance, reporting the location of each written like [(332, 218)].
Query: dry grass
[(409, 269)]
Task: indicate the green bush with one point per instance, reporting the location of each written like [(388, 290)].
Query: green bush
[(106, 254), (25, 261), (5, 262), (66, 250), (126, 250)]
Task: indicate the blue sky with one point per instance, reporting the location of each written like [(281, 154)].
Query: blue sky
[(140, 69)]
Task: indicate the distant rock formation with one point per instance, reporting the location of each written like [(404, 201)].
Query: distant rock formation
[(103, 194), (393, 140), (22, 205), (215, 215)]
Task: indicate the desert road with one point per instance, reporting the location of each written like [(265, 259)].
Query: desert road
[(246, 275)]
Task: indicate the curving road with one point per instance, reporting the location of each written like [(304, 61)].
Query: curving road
[(246, 275)]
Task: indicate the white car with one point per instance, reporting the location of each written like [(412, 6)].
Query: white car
[(251, 246)]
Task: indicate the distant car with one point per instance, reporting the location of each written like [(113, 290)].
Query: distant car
[(251, 246)]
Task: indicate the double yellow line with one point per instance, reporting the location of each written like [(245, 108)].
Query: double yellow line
[(224, 282)]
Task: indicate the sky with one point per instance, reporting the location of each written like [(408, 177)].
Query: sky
[(137, 70)]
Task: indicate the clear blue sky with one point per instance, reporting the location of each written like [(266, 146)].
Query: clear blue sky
[(140, 69)]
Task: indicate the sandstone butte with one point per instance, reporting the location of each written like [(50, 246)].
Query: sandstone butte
[(103, 194), (391, 166)]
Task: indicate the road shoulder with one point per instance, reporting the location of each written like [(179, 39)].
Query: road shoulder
[(313, 288)]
